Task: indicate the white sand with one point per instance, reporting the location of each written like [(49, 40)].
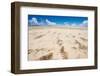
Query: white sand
[(57, 43)]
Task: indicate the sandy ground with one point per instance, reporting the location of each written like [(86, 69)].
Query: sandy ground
[(57, 43)]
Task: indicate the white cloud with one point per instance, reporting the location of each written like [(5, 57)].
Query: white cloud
[(50, 22), (70, 24), (66, 24), (74, 24), (33, 21), (84, 23)]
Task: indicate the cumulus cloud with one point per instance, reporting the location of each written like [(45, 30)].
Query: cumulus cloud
[(50, 22), (74, 24), (67, 24), (70, 24), (84, 23), (33, 21)]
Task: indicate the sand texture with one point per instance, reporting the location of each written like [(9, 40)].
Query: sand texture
[(57, 43)]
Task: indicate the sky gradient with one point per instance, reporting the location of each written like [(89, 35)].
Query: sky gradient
[(49, 20)]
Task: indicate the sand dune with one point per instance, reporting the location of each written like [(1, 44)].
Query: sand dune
[(57, 43)]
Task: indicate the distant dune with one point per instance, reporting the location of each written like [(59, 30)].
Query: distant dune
[(54, 43)]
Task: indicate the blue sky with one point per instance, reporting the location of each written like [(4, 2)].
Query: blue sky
[(49, 20)]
